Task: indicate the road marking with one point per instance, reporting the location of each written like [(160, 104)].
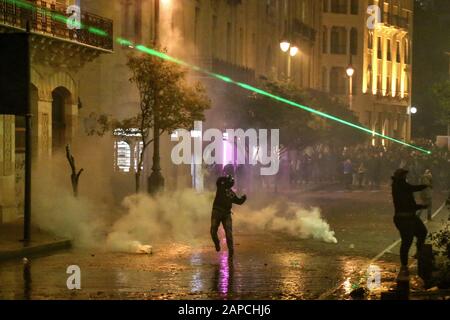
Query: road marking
[(324, 295)]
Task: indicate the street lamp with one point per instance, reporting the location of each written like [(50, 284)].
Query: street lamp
[(292, 51), (350, 72), (284, 46), (413, 110)]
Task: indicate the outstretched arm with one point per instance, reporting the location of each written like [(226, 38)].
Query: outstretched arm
[(239, 201), (235, 199), (414, 188)]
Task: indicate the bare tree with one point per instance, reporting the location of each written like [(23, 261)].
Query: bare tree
[(75, 176), (167, 103)]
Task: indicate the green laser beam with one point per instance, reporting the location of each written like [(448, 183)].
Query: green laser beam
[(57, 17), (161, 55), (277, 98)]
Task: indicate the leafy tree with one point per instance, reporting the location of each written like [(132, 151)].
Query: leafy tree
[(167, 103), (298, 128), (441, 93)]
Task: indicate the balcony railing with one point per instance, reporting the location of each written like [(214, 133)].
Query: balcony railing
[(395, 20), (304, 30), (43, 20), (238, 73)]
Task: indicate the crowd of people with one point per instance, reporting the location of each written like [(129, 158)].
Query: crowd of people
[(370, 167)]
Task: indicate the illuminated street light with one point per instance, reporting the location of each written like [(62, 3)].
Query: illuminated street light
[(350, 71), (413, 110), (293, 52), (284, 46)]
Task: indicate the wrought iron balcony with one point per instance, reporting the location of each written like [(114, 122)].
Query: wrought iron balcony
[(303, 30), (235, 72), (45, 18)]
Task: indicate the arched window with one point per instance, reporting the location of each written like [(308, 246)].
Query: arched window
[(123, 156)]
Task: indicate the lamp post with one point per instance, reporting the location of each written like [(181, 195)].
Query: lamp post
[(156, 180), (350, 72), (292, 51)]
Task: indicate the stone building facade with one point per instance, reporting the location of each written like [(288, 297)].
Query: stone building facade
[(237, 38), (57, 56), (381, 55)]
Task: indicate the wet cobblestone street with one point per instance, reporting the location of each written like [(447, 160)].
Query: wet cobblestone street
[(266, 265)]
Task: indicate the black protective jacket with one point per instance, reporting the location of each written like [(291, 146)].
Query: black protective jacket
[(225, 197), (403, 196)]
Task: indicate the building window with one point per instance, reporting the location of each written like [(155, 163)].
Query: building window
[(338, 40), (379, 83), (325, 40), (123, 156), (354, 41), (370, 40), (324, 79), (354, 8), (398, 56), (380, 49), (406, 51), (214, 36), (338, 80), (196, 27), (241, 47), (389, 50), (339, 6), (137, 155)]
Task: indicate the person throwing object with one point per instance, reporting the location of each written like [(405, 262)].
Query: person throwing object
[(221, 212), (406, 220)]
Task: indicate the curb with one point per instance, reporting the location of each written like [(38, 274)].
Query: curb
[(35, 249)]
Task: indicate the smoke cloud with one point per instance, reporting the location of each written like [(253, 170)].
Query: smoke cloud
[(183, 216)]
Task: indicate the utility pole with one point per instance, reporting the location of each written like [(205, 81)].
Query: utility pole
[(28, 154), (157, 19), (156, 180)]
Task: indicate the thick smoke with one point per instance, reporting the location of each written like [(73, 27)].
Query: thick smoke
[(291, 219), (141, 221)]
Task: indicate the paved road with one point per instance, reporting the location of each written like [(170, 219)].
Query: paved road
[(267, 265)]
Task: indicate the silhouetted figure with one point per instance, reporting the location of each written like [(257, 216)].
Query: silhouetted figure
[(407, 222), (348, 174), (221, 212)]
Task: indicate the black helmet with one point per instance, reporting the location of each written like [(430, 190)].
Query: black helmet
[(225, 182), (400, 174)]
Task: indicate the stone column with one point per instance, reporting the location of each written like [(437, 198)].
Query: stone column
[(42, 129), (8, 203), (71, 122)]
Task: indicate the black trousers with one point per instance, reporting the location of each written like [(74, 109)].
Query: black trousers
[(224, 218), (410, 227)]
